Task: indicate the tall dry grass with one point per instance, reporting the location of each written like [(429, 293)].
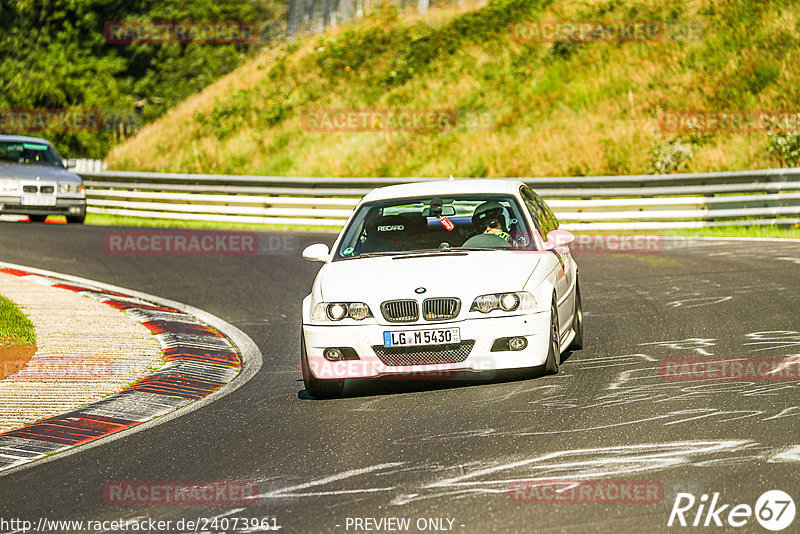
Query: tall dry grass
[(543, 109)]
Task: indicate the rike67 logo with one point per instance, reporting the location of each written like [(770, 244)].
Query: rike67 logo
[(774, 510)]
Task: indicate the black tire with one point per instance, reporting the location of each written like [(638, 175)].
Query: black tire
[(76, 219), (319, 389), (553, 350), (37, 218), (577, 321)]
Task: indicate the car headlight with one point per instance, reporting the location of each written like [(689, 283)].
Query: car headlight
[(70, 188), (513, 301), (8, 186), (336, 311)]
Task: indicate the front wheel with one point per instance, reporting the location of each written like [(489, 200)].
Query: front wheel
[(37, 218), (76, 219), (554, 350), (319, 389)]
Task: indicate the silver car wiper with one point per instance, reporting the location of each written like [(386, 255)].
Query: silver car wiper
[(390, 253)]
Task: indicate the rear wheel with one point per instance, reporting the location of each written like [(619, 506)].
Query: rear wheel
[(553, 351), (577, 320), (319, 389), (76, 219), (37, 218)]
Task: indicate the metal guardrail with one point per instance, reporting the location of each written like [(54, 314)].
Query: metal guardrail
[(643, 202)]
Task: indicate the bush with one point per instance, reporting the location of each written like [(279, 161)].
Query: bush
[(671, 156), (228, 113), (785, 147), (479, 26)]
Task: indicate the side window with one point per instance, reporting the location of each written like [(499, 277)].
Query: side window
[(538, 215), (551, 221)]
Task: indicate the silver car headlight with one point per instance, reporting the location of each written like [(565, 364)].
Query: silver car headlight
[(512, 301), (9, 186), (70, 188), (336, 311)]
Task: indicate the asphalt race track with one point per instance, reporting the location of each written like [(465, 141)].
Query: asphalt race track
[(451, 452)]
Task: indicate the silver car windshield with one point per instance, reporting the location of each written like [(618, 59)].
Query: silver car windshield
[(436, 224), (28, 153)]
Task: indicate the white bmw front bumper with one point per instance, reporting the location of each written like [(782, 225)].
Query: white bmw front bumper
[(366, 340)]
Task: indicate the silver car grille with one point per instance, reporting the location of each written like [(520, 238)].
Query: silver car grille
[(47, 189), (439, 309), (400, 311)]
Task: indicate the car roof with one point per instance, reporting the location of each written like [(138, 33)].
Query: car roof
[(23, 139), (445, 187)]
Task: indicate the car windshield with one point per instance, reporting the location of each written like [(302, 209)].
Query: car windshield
[(28, 153), (436, 224)]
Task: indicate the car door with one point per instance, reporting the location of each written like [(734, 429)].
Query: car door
[(565, 276)]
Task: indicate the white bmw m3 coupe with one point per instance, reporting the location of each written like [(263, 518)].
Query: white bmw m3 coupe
[(437, 279)]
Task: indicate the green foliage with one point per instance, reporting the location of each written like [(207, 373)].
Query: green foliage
[(53, 55), (479, 26), (784, 147), (15, 327), (227, 113), (617, 157), (553, 108), (670, 156), (357, 49)]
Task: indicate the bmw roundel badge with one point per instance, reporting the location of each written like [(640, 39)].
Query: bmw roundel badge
[(420, 290)]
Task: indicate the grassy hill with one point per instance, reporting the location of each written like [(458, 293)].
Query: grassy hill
[(54, 55), (522, 108)]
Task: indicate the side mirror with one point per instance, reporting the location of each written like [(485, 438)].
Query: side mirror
[(559, 239), (72, 164), (317, 252)]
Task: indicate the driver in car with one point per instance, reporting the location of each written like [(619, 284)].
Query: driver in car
[(489, 221)]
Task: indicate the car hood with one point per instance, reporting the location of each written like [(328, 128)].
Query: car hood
[(461, 274), (32, 172)]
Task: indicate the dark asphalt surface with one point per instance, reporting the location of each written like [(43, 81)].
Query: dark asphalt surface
[(433, 451)]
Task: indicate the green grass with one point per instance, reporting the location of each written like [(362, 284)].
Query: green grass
[(728, 231), (740, 231), (97, 219), (15, 327), (539, 108)]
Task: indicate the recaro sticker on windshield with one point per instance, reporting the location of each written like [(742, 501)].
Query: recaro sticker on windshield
[(447, 223)]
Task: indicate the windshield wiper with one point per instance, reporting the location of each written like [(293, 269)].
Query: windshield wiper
[(420, 251), (472, 249), (389, 253)]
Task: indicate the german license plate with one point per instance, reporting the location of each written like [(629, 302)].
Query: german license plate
[(38, 200), (411, 338)]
